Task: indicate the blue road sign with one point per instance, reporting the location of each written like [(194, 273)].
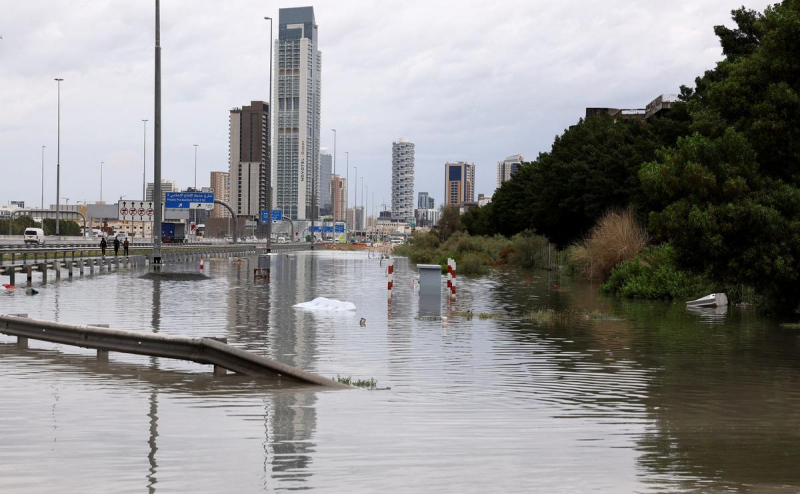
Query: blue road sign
[(277, 215), (189, 200), (329, 228)]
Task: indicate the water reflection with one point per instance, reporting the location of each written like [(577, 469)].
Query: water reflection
[(619, 395)]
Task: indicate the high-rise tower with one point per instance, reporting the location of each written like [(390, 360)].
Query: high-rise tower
[(403, 180), (459, 179), (248, 158), (297, 94)]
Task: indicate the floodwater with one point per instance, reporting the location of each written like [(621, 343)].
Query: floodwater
[(613, 396)]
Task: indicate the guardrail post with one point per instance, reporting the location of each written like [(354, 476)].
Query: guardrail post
[(69, 268), (43, 269), (80, 263), (22, 342), (29, 269), (102, 355), (220, 371)]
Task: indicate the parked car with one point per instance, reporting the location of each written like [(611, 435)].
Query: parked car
[(34, 236), (282, 240), (121, 236)]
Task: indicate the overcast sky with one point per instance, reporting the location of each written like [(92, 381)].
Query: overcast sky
[(464, 80)]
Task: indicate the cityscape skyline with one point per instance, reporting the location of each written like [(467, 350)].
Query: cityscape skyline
[(42, 42)]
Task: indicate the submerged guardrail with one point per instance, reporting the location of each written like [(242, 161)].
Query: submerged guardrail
[(201, 350)]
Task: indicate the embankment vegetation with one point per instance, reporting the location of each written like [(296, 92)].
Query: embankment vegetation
[(715, 179)]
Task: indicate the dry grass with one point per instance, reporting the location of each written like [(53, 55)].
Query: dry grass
[(617, 237)]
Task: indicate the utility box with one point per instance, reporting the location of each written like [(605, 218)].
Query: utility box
[(430, 280)]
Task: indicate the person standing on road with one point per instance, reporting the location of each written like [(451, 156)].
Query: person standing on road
[(125, 246), (116, 246), (103, 245)]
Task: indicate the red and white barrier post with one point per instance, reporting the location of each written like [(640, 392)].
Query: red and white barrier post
[(449, 276), (390, 275), (201, 262), (453, 281)]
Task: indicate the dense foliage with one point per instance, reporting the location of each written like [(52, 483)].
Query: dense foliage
[(591, 168), (653, 274), (727, 197)]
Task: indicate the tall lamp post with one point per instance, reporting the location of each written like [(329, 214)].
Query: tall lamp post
[(157, 145), (144, 158), (333, 206), (347, 183), (58, 162), (269, 150), (43, 176), (355, 198), (195, 166)]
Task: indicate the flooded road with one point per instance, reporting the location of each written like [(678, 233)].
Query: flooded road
[(607, 395)]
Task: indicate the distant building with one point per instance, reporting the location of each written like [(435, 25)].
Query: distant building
[(325, 173), (357, 218), (297, 94), (459, 179), (19, 204), (221, 185), (166, 186), (427, 217), (248, 158), (507, 168), (658, 105), (483, 200), (339, 198), (403, 180), (424, 201)]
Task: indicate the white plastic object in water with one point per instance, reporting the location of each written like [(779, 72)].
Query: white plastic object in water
[(326, 304)]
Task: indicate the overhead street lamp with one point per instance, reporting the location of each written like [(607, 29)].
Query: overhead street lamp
[(43, 176), (58, 161), (144, 158), (195, 166)]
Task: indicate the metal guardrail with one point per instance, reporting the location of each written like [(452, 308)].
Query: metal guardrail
[(201, 350)]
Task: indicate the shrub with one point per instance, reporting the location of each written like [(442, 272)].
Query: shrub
[(472, 263), (616, 238), (530, 250), (653, 274)]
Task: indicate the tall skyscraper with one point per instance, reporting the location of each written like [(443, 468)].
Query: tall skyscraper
[(325, 170), (339, 197), (459, 180), (297, 92), (507, 168), (248, 158), (221, 184), (403, 180)]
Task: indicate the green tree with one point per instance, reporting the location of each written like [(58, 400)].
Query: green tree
[(67, 228), (592, 167), (727, 197), (449, 223)]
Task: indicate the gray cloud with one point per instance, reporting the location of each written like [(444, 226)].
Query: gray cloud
[(465, 80)]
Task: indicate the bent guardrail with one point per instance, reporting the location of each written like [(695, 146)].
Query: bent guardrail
[(201, 350)]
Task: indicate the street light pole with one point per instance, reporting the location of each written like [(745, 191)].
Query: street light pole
[(195, 166), (58, 161), (43, 176), (157, 144), (333, 206), (269, 149), (355, 198), (144, 159), (346, 194)]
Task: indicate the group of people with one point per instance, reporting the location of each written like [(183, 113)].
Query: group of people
[(104, 245)]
